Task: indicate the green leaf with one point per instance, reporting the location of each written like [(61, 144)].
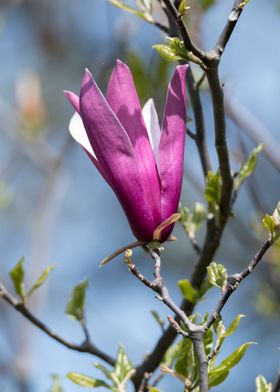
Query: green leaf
[(188, 291), (217, 375), (141, 14), (272, 223), (192, 221), (248, 167), (186, 363), (262, 385), (153, 389), (107, 373), (123, 364), (233, 326), (41, 279), (56, 384), (172, 354), (217, 275), (183, 7), (76, 301), (17, 276), (158, 319), (222, 332), (86, 381), (166, 52), (213, 188), (176, 51), (208, 341)]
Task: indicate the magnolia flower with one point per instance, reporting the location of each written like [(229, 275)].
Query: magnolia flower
[(141, 162)]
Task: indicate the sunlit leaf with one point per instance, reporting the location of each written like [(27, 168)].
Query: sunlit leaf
[(123, 364), (41, 279), (262, 385), (272, 223), (17, 276), (248, 167), (217, 375), (76, 301), (141, 14), (166, 52), (86, 381), (217, 275), (188, 291), (186, 363)]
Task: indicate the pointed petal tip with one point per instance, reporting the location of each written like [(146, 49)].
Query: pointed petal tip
[(182, 69)]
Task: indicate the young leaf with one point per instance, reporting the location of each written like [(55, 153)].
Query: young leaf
[(183, 7), (213, 188), (208, 341), (107, 373), (166, 52), (272, 223), (86, 381), (172, 354), (248, 167), (186, 364), (127, 8), (153, 389), (217, 375), (262, 385), (188, 291), (123, 365), (158, 319), (232, 327), (217, 275), (17, 276), (56, 384), (41, 279), (76, 301), (192, 221)]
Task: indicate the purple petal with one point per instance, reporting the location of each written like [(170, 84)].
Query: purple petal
[(171, 148), (116, 155), (73, 99), (123, 99)]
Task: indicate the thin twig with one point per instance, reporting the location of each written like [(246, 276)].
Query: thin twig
[(144, 384), (86, 347), (234, 281), (190, 46), (196, 332), (234, 15)]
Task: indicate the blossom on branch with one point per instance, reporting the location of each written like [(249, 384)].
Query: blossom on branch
[(141, 162)]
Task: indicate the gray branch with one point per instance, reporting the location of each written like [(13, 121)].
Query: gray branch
[(86, 347)]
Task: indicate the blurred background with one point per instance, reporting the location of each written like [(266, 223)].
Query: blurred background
[(56, 209)]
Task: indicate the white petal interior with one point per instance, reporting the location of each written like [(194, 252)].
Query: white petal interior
[(152, 124), (78, 132)]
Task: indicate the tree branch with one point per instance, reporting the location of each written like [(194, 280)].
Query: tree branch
[(195, 332), (234, 15), (220, 141), (86, 347), (190, 46), (234, 281)]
